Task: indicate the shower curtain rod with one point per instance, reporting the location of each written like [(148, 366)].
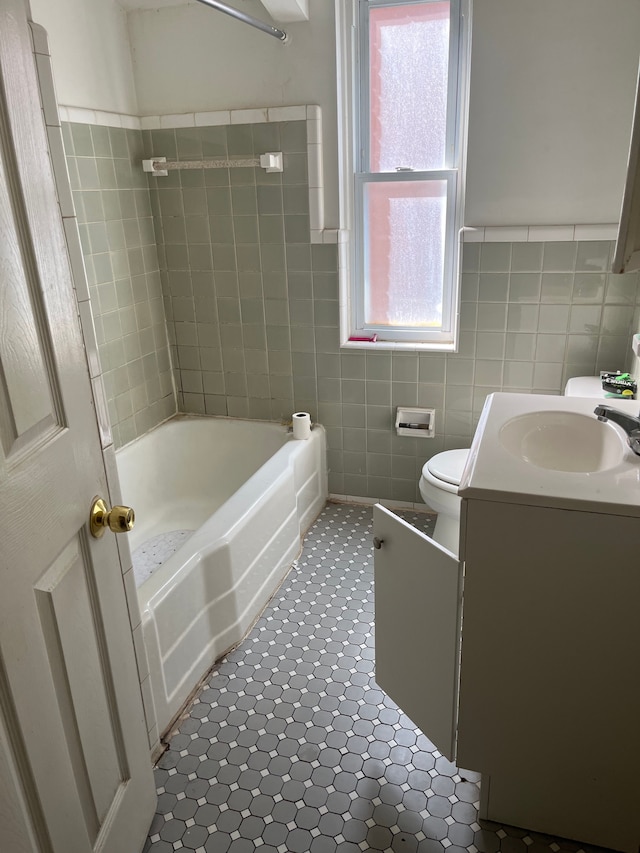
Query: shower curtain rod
[(247, 19)]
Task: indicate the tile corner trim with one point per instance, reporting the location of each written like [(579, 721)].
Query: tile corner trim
[(538, 233)]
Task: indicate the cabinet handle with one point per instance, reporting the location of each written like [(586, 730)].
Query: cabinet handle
[(377, 543)]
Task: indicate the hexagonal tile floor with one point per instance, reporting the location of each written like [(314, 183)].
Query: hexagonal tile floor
[(292, 746)]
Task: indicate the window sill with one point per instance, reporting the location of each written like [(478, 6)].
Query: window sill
[(404, 346)]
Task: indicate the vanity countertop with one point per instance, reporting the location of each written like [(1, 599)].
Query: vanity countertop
[(522, 441)]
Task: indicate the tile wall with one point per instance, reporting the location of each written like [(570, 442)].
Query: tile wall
[(112, 203), (244, 288), (251, 306), (532, 315), (252, 310)]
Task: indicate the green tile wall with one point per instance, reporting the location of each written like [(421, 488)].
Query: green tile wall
[(244, 290), (251, 306), (113, 207), (252, 310)]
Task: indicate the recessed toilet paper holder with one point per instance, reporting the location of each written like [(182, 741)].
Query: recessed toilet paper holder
[(419, 423)]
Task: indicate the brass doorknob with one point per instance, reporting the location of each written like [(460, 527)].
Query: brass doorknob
[(120, 519)]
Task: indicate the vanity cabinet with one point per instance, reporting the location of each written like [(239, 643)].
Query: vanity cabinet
[(521, 659)]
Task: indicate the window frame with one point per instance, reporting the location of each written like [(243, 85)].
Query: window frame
[(352, 22)]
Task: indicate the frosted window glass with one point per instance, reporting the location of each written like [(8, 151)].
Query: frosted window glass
[(409, 59), (404, 257)]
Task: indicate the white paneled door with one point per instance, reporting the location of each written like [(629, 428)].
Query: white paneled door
[(75, 774)]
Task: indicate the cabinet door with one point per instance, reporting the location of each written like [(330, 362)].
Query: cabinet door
[(417, 624)]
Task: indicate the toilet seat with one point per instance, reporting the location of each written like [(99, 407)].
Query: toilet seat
[(444, 470)]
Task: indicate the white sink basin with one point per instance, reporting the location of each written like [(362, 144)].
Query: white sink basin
[(563, 441)]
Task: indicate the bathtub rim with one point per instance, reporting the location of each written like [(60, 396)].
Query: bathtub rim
[(200, 416)]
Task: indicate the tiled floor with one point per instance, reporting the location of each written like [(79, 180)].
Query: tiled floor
[(291, 745)]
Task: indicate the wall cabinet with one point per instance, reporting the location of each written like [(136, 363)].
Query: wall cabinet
[(626, 257), (520, 660)]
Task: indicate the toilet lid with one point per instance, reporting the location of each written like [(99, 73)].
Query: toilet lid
[(448, 466)]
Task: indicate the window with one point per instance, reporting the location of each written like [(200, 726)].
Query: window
[(400, 66)]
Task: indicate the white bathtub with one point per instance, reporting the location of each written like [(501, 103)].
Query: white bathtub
[(249, 491)]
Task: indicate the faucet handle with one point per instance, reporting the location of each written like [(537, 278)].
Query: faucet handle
[(633, 440)]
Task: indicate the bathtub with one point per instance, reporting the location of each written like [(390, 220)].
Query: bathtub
[(248, 491)]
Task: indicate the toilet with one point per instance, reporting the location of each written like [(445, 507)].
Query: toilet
[(442, 473), (439, 489)]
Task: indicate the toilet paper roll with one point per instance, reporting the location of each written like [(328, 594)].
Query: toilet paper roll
[(301, 424)]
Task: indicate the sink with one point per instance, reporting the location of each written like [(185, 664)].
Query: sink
[(552, 451), (563, 441)]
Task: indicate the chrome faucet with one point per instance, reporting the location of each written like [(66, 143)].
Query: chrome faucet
[(628, 423)]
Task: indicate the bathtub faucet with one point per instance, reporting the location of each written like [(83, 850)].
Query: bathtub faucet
[(628, 423)]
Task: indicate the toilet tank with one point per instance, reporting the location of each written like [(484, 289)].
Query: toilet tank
[(591, 386), (584, 386)]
